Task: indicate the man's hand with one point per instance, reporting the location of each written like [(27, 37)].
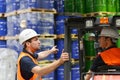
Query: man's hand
[(54, 49), (64, 57)]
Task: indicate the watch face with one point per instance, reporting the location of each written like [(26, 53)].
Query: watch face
[(89, 23), (118, 22)]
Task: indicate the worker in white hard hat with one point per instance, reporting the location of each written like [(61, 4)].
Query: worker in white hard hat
[(27, 65), (110, 54)]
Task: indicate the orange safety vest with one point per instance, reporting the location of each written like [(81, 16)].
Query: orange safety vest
[(19, 76), (111, 56)]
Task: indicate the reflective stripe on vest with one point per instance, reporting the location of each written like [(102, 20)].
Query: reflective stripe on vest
[(19, 76), (111, 56)]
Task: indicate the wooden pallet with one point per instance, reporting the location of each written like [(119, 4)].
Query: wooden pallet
[(74, 61), (45, 61), (8, 37), (71, 14), (10, 13), (73, 36), (48, 36), (36, 10), (99, 14), (2, 14), (90, 57), (60, 36)]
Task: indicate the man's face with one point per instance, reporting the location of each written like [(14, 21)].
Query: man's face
[(35, 43), (102, 42)]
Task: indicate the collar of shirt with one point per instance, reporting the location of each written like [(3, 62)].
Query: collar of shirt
[(33, 55)]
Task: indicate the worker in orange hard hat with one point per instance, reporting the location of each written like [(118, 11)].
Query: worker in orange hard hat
[(107, 41), (28, 68)]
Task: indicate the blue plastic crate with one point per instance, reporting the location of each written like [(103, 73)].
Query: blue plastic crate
[(60, 73), (60, 46), (60, 24), (75, 49), (13, 6), (2, 7), (3, 27), (3, 44), (75, 72)]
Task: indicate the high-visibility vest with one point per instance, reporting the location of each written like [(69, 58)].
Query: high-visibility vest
[(111, 56), (19, 76)]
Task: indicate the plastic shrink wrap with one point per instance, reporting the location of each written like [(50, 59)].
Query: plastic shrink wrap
[(8, 60)]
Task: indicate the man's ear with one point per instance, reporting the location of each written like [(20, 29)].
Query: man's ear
[(27, 43)]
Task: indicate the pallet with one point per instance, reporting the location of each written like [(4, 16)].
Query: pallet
[(48, 36), (71, 14), (95, 14), (8, 37), (36, 10), (45, 61), (1, 14), (74, 61), (10, 13), (90, 57), (60, 36), (73, 36)]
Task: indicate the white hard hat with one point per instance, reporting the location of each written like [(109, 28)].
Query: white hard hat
[(109, 32), (27, 34), (91, 34)]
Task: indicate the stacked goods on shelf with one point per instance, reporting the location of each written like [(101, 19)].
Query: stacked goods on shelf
[(46, 23), (8, 60), (3, 32), (79, 6), (75, 72), (13, 29), (88, 6), (60, 25), (60, 73), (69, 5), (75, 49), (59, 6), (75, 6), (118, 7), (89, 47), (2, 6), (60, 46), (99, 5), (47, 44), (45, 4), (12, 5), (3, 23)]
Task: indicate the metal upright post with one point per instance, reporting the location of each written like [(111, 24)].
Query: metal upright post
[(67, 48)]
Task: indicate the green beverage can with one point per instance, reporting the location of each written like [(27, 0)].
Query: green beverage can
[(89, 45), (89, 50), (100, 6), (111, 5), (88, 6), (118, 7), (69, 5), (79, 6), (88, 63)]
